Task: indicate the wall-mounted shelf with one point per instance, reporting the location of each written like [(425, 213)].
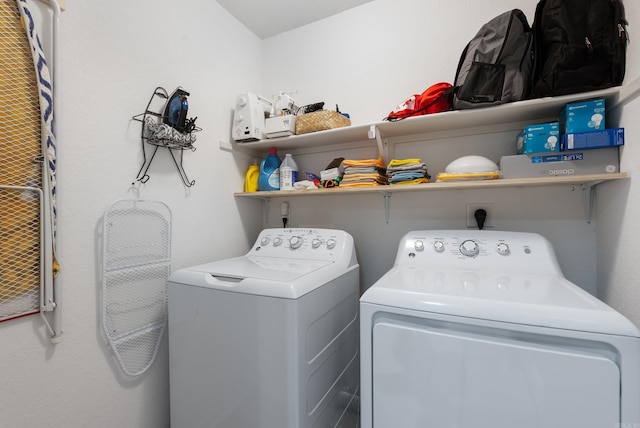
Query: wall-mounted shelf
[(458, 122), (586, 182), (565, 180), (421, 129)]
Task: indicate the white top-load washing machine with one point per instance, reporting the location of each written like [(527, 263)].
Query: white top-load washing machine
[(268, 339), (480, 329)]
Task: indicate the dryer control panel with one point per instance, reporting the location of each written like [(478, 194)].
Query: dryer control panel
[(482, 249), (307, 243)]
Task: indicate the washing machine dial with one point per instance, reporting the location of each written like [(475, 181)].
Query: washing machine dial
[(316, 243), (418, 245), (438, 246), (470, 248), (295, 242), (503, 249), (242, 101), (277, 242), (331, 243), (264, 241)]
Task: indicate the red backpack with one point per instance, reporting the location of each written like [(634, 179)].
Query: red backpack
[(435, 99)]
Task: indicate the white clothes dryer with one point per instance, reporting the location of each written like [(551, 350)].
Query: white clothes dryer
[(268, 339), (480, 329)]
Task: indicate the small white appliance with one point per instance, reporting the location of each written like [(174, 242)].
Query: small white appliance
[(249, 117), (268, 339), (280, 126), (481, 329), (256, 118)]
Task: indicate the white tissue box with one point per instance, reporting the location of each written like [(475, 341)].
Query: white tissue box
[(576, 162)]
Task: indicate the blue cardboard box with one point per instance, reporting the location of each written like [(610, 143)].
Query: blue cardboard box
[(583, 116), (540, 138), (592, 140)]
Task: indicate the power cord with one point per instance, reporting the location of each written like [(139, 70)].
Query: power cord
[(284, 212), (481, 217)]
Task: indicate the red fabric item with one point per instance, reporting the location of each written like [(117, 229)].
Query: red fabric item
[(435, 99)]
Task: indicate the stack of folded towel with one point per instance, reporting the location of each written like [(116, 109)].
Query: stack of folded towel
[(407, 171), (363, 173)]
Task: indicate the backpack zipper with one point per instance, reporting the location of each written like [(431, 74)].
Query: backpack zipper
[(623, 35), (507, 34), (587, 42)]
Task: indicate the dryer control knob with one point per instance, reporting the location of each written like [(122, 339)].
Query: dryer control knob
[(331, 243), (264, 241), (316, 243), (295, 242), (242, 101), (277, 242), (503, 249), (438, 246), (418, 245), (469, 248)]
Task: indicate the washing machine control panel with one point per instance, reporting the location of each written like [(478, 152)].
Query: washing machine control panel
[(302, 242), (480, 248)]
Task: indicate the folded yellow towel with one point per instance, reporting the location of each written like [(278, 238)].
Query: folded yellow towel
[(363, 162), (444, 176), (400, 162)]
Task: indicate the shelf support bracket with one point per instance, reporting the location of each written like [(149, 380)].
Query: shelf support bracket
[(387, 205), (266, 206), (381, 141), (588, 195)]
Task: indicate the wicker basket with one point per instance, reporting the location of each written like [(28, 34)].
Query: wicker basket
[(320, 121)]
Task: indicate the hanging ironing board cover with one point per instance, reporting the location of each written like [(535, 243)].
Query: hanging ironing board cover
[(45, 91), (26, 142), (136, 266)]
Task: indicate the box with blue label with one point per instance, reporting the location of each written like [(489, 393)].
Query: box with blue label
[(540, 138), (593, 140), (597, 161), (583, 116)]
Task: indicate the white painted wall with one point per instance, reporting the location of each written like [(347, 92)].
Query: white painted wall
[(113, 54), (618, 209)]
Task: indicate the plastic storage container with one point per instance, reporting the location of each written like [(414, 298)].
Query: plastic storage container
[(288, 173), (251, 178), (269, 178)]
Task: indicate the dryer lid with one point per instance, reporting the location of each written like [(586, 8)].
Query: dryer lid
[(539, 300)]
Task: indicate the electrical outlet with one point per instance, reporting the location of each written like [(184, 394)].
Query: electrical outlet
[(489, 221), (284, 209)]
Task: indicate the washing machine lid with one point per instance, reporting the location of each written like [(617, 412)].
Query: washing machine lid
[(538, 300), (263, 268), (266, 276)]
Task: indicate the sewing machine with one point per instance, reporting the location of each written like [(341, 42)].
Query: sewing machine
[(257, 118)]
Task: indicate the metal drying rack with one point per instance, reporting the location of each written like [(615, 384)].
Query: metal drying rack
[(158, 134)]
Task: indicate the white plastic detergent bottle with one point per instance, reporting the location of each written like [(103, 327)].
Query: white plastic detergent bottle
[(269, 178), (288, 173)]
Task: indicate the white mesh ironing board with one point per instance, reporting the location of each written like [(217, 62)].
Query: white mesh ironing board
[(136, 266)]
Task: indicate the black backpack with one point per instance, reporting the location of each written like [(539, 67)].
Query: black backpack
[(496, 66), (580, 46)]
